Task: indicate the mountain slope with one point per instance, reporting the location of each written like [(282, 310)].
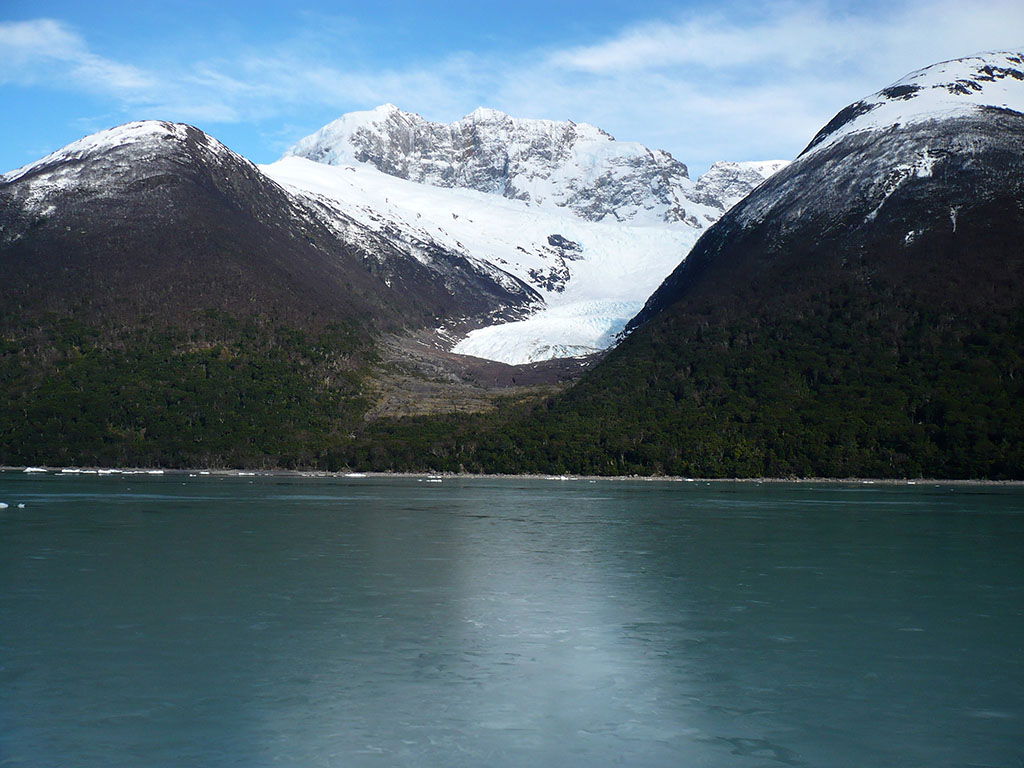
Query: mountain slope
[(165, 301), (896, 184), (862, 312), (160, 218)]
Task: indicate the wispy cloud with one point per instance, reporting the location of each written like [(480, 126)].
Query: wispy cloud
[(712, 86), (46, 51), (705, 86)]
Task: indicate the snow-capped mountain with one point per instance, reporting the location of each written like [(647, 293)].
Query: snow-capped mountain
[(909, 135), (957, 88), (162, 209), (590, 223), (916, 186), (726, 183), (544, 162), (858, 314)]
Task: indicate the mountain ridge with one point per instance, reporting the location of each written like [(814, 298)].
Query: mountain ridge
[(546, 162), (859, 313)]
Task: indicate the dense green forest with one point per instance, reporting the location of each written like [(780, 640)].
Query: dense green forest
[(222, 393), (841, 391)]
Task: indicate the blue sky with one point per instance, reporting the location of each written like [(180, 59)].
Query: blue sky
[(705, 80)]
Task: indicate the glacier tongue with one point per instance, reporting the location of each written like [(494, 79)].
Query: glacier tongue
[(567, 330)]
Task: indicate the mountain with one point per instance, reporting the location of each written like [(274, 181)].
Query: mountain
[(166, 301), (160, 217), (861, 313), (163, 298), (904, 185), (591, 224), (726, 183), (544, 162)]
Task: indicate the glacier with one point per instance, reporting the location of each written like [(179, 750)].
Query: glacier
[(591, 224)]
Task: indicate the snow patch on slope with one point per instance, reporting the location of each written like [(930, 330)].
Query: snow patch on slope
[(949, 89)]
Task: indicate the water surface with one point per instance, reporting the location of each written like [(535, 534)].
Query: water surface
[(267, 621)]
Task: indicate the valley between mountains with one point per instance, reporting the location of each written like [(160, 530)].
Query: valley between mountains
[(503, 294)]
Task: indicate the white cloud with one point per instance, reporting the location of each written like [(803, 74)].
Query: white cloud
[(711, 86), (45, 50), (704, 86)]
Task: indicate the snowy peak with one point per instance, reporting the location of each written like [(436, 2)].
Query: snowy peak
[(956, 88), (146, 136), (374, 136), (726, 183), (543, 162)]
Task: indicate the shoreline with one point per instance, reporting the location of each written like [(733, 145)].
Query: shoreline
[(352, 475)]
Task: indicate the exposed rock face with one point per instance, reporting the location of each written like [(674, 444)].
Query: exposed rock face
[(573, 165), (726, 183)]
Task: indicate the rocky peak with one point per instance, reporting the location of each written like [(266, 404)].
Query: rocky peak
[(726, 183), (544, 162)]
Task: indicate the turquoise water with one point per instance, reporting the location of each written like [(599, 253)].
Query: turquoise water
[(268, 621)]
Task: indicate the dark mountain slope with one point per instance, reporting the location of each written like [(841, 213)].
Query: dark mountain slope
[(861, 313), (160, 220)]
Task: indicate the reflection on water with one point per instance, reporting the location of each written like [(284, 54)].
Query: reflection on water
[(168, 621)]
